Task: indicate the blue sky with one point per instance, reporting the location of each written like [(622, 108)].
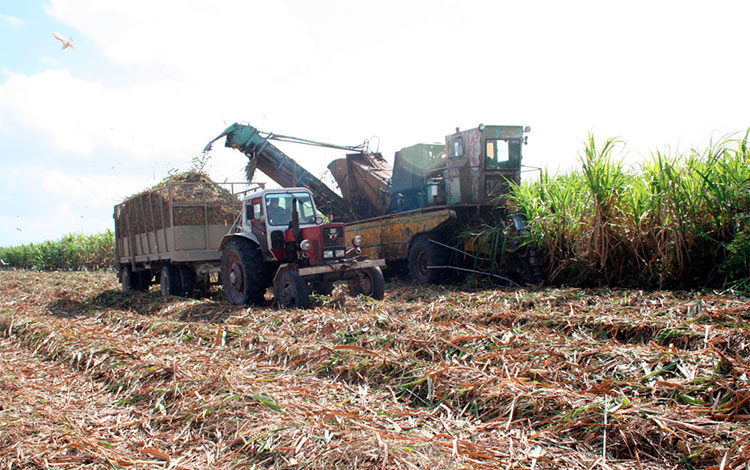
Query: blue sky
[(151, 82)]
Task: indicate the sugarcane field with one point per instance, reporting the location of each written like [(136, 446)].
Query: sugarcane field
[(430, 376), (454, 234)]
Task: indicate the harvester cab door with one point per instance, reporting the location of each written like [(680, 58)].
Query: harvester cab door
[(501, 161)]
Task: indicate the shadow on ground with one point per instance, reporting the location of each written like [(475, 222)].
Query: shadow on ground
[(143, 303)]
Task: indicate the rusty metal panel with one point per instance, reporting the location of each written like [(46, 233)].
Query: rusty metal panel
[(452, 186), (363, 179), (503, 132), (413, 164), (473, 146), (388, 237)]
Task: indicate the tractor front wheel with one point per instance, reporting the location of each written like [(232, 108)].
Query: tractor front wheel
[(322, 287), (291, 291), (369, 282)]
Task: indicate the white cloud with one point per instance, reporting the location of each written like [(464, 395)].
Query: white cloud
[(341, 71), (46, 204), (62, 210), (195, 37), (50, 62), (223, 62), (12, 21), (147, 121), (95, 191)]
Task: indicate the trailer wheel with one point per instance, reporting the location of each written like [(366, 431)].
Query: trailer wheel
[(369, 282), (143, 280), (126, 279), (291, 291), (187, 281), (170, 280), (422, 255), (243, 273), (138, 280)]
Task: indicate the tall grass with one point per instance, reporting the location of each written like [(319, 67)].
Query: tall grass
[(675, 220), (73, 251)]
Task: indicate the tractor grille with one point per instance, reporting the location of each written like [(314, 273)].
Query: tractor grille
[(333, 237)]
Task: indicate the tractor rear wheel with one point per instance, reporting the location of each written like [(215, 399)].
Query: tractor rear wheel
[(291, 291), (243, 272), (369, 282), (423, 255)]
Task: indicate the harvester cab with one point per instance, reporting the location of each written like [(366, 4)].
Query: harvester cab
[(281, 241), (473, 167)]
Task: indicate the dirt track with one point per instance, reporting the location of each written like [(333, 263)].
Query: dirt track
[(427, 378)]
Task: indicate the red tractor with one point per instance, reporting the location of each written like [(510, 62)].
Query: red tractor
[(281, 241)]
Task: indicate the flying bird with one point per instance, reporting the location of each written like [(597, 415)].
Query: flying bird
[(66, 42)]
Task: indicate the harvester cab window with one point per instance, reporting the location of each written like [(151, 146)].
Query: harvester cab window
[(458, 147), (279, 208), (501, 154)]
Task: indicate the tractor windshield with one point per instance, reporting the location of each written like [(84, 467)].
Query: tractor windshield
[(279, 208)]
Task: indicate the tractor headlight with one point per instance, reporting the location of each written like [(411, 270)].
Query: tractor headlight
[(357, 240), (305, 245), (340, 253), (327, 254), (319, 219)]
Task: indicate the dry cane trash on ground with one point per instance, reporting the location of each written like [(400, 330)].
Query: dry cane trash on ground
[(428, 378)]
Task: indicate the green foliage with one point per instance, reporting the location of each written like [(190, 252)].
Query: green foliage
[(72, 252), (675, 220)]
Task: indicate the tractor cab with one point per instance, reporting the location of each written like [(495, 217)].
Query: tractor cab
[(281, 242), (289, 228)]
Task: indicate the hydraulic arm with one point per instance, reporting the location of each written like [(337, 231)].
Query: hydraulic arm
[(283, 169)]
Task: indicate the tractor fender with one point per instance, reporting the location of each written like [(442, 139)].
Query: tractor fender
[(284, 267), (230, 236)]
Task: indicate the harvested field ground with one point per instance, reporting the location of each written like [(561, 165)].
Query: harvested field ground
[(428, 378)]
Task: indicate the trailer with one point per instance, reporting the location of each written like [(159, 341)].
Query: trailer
[(171, 235)]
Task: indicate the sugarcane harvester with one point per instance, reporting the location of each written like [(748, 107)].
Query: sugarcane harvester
[(418, 214)]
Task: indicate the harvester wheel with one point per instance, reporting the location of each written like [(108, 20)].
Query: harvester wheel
[(423, 254), (243, 273), (291, 291), (169, 280), (369, 282)]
